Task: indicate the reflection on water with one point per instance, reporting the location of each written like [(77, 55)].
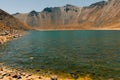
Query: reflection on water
[(66, 51)]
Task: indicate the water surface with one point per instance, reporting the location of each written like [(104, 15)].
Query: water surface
[(84, 52)]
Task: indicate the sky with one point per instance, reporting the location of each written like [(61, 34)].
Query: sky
[(24, 6)]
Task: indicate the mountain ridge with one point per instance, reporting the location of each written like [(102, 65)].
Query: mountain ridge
[(11, 22), (103, 14)]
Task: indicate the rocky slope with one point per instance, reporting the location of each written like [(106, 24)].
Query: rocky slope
[(10, 27), (7, 73), (8, 22), (104, 14)]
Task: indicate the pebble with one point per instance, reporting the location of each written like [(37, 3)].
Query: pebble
[(39, 77), (17, 76), (23, 74), (54, 77), (4, 74), (37, 70), (1, 69), (28, 75), (74, 76)]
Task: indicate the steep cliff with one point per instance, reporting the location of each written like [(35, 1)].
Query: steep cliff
[(104, 14), (101, 14)]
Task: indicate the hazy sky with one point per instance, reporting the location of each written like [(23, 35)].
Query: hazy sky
[(13, 6)]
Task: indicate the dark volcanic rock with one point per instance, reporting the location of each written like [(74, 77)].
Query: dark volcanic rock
[(99, 4), (17, 76), (33, 13), (48, 10)]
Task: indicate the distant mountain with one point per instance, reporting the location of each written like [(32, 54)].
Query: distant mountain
[(103, 14)]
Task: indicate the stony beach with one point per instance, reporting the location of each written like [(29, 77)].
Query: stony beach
[(6, 36), (14, 74), (9, 74)]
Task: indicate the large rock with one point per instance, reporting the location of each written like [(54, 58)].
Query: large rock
[(3, 39)]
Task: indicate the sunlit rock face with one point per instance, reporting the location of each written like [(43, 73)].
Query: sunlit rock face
[(99, 14)]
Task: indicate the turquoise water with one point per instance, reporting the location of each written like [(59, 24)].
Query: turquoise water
[(84, 52)]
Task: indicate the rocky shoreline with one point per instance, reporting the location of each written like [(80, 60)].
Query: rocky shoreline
[(7, 73), (6, 36)]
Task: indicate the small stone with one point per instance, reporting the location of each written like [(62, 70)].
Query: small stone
[(17, 76), (37, 70), (1, 69), (54, 77), (8, 74), (4, 74), (11, 74), (28, 75), (75, 76), (23, 74), (39, 77)]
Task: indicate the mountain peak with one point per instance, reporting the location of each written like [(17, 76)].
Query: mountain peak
[(33, 13), (48, 9), (3, 12), (69, 5), (99, 4), (16, 13)]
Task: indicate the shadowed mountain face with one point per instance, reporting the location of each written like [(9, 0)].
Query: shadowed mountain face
[(98, 15), (9, 23)]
